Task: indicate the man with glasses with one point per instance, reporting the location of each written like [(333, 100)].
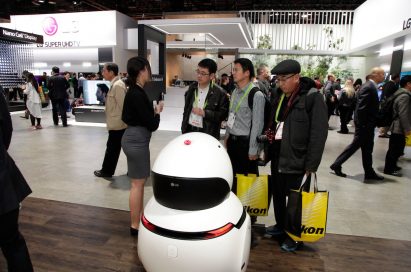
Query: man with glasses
[(206, 104), (115, 126), (297, 135)]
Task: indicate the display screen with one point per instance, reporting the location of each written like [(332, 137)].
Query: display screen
[(95, 91)]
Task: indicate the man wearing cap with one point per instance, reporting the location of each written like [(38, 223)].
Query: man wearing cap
[(298, 133)]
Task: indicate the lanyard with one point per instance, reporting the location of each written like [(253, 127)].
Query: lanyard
[(279, 107), (250, 86)]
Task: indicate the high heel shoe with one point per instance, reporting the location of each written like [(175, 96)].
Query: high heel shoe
[(133, 231)]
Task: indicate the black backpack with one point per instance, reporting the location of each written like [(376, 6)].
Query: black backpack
[(267, 107), (385, 114)]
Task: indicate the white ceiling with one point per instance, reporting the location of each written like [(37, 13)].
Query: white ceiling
[(205, 33)]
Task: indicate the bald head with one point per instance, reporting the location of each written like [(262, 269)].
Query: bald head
[(377, 74)]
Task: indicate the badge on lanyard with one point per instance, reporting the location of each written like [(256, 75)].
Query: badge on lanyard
[(231, 120), (279, 131), (196, 120)]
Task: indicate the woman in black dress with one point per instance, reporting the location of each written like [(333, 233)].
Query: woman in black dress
[(142, 118)]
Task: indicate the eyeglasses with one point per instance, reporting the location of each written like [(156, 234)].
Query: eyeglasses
[(284, 78), (201, 73)]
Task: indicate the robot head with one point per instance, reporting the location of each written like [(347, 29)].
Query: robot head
[(192, 172)]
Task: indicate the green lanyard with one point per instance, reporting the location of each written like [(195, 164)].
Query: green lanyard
[(196, 96), (196, 99), (250, 86), (279, 107)]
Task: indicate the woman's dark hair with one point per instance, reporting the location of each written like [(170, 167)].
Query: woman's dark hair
[(136, 65), (31, 79), (358, 82)]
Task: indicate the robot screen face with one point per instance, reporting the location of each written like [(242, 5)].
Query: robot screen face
[(190, 194)]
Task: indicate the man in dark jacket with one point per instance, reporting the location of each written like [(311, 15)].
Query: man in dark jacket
[(13, 189), (206, 104), (299, 131), (58, 86), (400, 128), (388, 90), (365, 120)]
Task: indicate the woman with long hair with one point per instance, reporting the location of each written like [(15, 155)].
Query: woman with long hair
[(33, 102), (142, 118), (346, 105)]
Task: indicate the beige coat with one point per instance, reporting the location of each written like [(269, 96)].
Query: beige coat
[(114, 104)]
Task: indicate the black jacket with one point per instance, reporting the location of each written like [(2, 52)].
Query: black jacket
[(215, 112), (367, 106), (58, 86), (305, 130), (13, 186)]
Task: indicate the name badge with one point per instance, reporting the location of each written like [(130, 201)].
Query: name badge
[(231, 120), (196, 120), (279, 133)]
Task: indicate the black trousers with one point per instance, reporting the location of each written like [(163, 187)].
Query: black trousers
[(282, 183), (112, 151), (364, 139), (59, 107), (395, 150), (12, 243), (345, 117), (237, 149)]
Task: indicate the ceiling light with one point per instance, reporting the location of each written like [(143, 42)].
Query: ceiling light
[(66, 64), (86, 64), (304, 16), (39, 64)]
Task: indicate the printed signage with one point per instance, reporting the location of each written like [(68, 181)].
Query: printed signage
[(406, 24), (19, 36)]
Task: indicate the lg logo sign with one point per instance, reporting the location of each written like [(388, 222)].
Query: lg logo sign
[(406, 24), (50, 26)]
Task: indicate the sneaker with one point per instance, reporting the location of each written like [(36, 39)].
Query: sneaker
[(39, 127), (289, 245), (274, 230)]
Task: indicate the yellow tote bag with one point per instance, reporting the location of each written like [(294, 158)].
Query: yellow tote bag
[(408, 140), (254, 193), (307, 214)]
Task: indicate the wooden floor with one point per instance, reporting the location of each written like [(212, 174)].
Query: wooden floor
[(71, 237)]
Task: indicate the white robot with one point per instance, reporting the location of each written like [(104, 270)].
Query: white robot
[(194, 222)]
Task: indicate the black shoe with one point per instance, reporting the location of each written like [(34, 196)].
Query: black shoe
[(397, 168), (342, 132), (274, 230), (384, 136), (101, 174), (393, 173), (66, 125), (133, 231), (373, 176), (289, 245), (337, 171)]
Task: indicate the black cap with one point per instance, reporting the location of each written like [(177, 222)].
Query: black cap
[(287, 67)]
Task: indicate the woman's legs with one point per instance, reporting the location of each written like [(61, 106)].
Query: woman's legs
[(136, 201)]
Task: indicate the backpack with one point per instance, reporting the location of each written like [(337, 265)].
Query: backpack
[(267, 106), (385, 114)]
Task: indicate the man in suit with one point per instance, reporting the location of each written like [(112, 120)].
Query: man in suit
[(206, 104), (58, 86), (365, 119), (115, 126), (13, 189)]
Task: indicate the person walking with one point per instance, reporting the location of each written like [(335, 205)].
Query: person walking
[(365, 119), (33, 102), (13, 190), (115, 126), (141, 118), (346, 105), (400, 127)]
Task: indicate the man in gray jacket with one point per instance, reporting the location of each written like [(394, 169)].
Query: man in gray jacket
[(400, 127), (298, 133)]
